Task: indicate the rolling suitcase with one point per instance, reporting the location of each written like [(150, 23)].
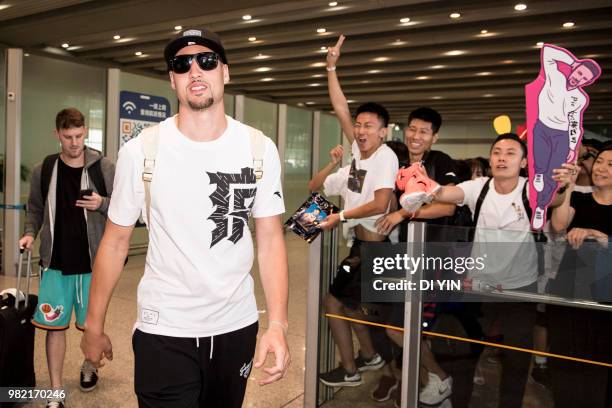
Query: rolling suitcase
[(17, 334)]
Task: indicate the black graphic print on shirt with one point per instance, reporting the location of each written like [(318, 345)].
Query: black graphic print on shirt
[(230, 197), (356, 178)]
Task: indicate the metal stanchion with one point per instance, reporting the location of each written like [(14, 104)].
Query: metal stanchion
[(412, 322), (320, 351)]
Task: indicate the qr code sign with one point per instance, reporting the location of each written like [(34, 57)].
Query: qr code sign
[(131, 128)]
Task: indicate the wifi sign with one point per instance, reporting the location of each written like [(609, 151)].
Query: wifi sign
[(141, 109), (129, 106)]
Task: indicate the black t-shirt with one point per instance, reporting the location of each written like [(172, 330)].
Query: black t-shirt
[(584, 273), (590, 214), (441, 168), (70, 244)]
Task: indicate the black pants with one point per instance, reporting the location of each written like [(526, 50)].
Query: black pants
[(585, 334), (178, 372), (516, 322)]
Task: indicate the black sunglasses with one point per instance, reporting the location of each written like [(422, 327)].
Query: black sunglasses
[(206, 61)]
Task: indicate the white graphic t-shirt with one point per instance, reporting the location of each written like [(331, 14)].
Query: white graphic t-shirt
[(357, 182), (197, 280), (555, 102), (502, 219)]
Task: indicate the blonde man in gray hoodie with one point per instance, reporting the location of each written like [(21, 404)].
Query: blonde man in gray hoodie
[(69, 197)]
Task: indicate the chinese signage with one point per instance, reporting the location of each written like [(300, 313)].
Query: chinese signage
[(138, 111)]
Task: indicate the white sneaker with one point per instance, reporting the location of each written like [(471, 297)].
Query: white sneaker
[(413, 201), (479, 377), (55, 403), (436, 390), (538, 219), (538, 182)]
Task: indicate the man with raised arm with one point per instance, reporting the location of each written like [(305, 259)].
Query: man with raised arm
[(366, 185)]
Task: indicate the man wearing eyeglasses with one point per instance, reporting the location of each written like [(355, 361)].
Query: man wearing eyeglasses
[(194, 338)]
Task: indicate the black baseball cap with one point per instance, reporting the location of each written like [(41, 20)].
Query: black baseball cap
[(198, 36)]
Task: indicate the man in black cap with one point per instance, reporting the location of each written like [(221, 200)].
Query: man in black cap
[(204, 175)]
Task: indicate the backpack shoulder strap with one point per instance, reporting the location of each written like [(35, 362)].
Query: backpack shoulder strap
[(481, 198), (526, 202), (150, 143), (45, 174), (257, 150), (95, 172)]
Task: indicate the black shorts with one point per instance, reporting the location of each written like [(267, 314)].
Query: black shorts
[(178, 372), (346, 286)]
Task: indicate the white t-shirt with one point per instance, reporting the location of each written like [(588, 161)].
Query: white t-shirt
[(583, 189), (197, 280), (502, 219), (555, 102), (357, 182)]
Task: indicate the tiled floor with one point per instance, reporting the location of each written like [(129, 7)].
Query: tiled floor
[(115, 388), (483, 396)]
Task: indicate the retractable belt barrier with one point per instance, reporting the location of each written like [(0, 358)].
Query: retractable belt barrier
[(486, 343), (12, 206)]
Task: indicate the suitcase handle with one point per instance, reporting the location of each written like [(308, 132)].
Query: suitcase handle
[(29, 276)]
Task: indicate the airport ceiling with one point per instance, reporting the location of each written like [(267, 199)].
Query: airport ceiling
[(400, 53)]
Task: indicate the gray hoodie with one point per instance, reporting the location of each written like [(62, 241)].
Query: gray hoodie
[(40, 216)]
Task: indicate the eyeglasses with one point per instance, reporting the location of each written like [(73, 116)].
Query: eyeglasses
[(206, 61)]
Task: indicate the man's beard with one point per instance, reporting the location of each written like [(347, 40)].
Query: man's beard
[(200, 106), (72, 154)]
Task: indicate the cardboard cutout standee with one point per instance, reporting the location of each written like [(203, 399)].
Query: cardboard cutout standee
[(555, 104)]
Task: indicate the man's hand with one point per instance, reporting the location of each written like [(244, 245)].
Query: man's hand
[(26, 242), (273, 341), (96, 347), (336, 154), (330, 222), (91, 203), (386, 223), (333, 53), (567, 174)]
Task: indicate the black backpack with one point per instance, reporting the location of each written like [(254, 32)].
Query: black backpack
[(95, 172), (538, 236), (462, 216)]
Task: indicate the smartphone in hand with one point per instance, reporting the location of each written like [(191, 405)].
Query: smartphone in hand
[(85, 192)]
